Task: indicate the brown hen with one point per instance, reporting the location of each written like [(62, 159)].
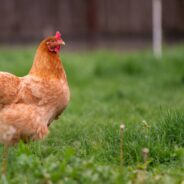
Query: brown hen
[(29, 104)]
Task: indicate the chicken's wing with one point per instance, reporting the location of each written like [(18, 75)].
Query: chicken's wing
[(8, 88)]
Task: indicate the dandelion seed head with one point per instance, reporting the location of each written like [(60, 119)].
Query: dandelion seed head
[(145, 150), (122, 126)]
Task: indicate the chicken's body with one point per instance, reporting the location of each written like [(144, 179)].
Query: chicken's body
[(32, 105), (29, 104)]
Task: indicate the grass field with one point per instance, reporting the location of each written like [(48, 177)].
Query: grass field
[(108, 88)]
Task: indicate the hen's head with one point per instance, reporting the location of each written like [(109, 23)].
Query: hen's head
[(54, 43)]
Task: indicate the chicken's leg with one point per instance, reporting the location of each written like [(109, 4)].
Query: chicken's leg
[(5, 157)]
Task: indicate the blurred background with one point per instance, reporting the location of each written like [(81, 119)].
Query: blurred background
[(83, 23), (113, 77)]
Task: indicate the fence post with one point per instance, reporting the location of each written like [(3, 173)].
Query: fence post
[(157, 28)]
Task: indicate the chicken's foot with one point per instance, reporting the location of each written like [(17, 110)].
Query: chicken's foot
[(5, 158)]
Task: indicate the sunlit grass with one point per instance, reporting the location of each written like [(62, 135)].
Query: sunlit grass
[(107, 88)]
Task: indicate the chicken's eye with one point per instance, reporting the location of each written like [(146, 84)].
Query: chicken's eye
[(50, 41)]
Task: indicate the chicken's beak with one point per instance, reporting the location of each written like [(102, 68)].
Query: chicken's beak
[(60, 42)]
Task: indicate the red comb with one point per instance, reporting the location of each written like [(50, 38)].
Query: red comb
[(58, 35)]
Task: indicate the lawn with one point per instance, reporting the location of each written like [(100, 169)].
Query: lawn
[(107, 89)]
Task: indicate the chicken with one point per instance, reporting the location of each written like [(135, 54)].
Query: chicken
[(29, 104)]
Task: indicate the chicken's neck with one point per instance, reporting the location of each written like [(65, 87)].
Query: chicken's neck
[(47, 65)]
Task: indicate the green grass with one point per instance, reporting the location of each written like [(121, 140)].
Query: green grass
[(108, 88)]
